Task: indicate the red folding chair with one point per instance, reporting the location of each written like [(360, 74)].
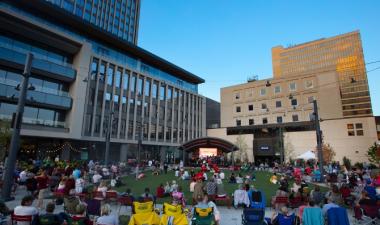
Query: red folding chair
[(17, 218), (98, 195), (111, 196), (295, 202), (125, 201), (280, 201), (226, 199)]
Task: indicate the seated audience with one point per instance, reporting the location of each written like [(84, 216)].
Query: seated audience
[(49, 218), (330, 204), (26, 208), (241, 197), (232, 179), (203, 202), (179, 197), (70, 202), (211, 187), (106, 217), (316, 195), (80, 215)]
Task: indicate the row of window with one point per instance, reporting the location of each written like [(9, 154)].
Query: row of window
[(279, 119), (277, 89), (293, 103)]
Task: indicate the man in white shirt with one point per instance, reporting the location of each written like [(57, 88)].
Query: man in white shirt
[(96, 178), (241, 197), (23, 177), (25, 209)]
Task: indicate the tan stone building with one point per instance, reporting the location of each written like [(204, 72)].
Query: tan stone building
[(275, 115)]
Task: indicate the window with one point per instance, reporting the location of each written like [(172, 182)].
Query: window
[(238, 109), (250, 107), (277, 89), (359, 126), (309, 84), (263, 91), (263, 106), (350, 126), (351, 133), (310, 99), (279, 119), (294, 102), (238, 122), (295, 118), (265, 120), (278, 104), (110, 74), (251, 122), (292, 86), (237, 95), (359, 129)]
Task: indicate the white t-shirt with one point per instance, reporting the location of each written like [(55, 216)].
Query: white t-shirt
[(25, 211), (79, 184), (96, 178), (221, 175)]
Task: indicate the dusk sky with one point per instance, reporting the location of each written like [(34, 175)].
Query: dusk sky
[(225, 42)]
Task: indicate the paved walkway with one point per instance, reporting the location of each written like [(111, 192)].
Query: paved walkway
[(228, 216)]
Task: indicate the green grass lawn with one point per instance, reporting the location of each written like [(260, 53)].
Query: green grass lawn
[(137, 186)]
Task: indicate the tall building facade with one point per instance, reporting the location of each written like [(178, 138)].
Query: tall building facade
[(342, 54), (119, 17), (86, 81), (275, 116)]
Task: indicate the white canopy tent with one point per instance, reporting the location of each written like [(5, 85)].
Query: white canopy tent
[(307, 155)]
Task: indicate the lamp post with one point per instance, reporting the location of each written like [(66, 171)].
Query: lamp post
[(319, 138), (16, 126), (108, 133)]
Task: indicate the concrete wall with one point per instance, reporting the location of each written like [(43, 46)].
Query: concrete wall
[(335, 133)]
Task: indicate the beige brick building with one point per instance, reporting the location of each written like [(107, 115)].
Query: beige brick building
[(275, 115)]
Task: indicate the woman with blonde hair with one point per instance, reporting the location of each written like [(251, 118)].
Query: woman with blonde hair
[(106, 216)]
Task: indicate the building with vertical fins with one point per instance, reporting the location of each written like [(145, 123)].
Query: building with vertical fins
[(86, 69)]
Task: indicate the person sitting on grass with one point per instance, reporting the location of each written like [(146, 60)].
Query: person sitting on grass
[(102, 188), (232, 179), (239, 179), (167, 188), (198, 189), (160, 191), (174, 186), (147, 195), (192, 184), (128, 193), (273, 178), (316, 195)]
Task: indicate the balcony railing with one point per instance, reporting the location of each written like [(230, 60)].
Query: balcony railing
[(36, 97), (49, 69)]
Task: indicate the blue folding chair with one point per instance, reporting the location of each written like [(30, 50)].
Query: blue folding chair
[(337, 216), (252, 216), (286, 220), (257, 199)]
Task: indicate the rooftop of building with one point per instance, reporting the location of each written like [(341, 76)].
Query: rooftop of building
[(61, 16), (291, 47)]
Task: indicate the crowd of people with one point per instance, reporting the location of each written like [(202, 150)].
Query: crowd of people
[(71, 181)]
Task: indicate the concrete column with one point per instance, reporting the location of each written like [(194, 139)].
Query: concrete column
[(123, 152), (162, 153)]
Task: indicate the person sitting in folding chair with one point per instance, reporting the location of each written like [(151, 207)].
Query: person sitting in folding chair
[(204, 203), (106, 216), (284, 217), (26, 208), (253, 216), (256, 197)]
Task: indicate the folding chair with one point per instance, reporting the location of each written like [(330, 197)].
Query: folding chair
[(337, 216), (98, 195), (226, 199), (173, 214), (286, 220), (280, 201), (366, 214), (295, 202), (203, 216), (17, 218), (111, 196), (125, 201), (253, 216)]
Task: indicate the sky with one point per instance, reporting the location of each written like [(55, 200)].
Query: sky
[(226, 41)]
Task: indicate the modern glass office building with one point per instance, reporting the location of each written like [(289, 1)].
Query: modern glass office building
[(119, 17), (83, 75)]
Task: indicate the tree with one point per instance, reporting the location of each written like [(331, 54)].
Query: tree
[(373, 154), (5, 137), (327, 152), (242, 154)]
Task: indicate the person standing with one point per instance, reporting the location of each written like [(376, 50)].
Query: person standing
[(42, 186)]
